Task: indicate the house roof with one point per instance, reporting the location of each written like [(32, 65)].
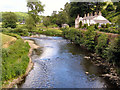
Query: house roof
[(101, 21)]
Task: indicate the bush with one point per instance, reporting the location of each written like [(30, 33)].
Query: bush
[(96, 26), (101, 44), (107, 25), (113, 52), (52, 32), (89, 39), (80, 24), (21, 31), (103, 25), (9, 20), (15, 60), (85, 25)]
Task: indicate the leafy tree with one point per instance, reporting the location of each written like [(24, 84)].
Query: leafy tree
[(62, 18), (30, 24), (46, 21), (34, 8), (117, 4), (110, 7), (9, 19)]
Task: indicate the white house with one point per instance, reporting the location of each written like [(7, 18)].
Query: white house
[(90, 19)]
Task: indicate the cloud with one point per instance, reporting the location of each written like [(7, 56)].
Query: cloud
[(20, 5)]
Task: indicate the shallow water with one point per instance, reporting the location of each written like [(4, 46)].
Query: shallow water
[(61, 64)]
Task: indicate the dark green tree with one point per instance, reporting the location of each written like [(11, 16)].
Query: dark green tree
[(110, 7), (9, 19), (30, 24), (46, 21)]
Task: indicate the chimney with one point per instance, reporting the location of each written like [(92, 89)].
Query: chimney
[(91, 14), (100, 13), (78, 16), (85, 15), (88, 14), (95, 14)]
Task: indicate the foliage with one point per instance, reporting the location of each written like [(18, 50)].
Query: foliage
[(113, 52), (101, 44), (96, 26), (34, 9), (30, 23), (9, 20), (110, 30), (110, 7), (118, 7), (15, 60), (103, 26), (80, 24), (85, 25), (21, 16), (46, 21), (52, 32), (89, 38), (107, 25)]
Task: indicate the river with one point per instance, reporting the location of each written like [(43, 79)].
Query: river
[(58, 63)]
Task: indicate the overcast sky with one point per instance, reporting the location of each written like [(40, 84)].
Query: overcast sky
[(20, 5)]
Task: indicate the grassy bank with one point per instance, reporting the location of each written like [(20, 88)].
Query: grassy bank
[(7, 40), (98, 43), (14, 59)]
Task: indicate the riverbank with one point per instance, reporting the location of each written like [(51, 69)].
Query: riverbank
[(109, 72), (13, 82)]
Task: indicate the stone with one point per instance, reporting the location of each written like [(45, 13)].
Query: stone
[(87, 73)]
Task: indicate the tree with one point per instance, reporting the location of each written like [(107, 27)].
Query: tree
[(9, 19), (30, 24), (110, 8), (117, 4), (46, 21), (34, 8)]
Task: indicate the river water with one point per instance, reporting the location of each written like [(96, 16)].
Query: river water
[(60, 64)]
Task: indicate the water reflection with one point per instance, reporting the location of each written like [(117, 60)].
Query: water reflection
[(60, 64)]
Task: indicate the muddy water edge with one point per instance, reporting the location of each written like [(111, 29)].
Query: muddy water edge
[(58, 63)]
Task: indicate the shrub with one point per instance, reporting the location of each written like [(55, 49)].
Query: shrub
[(89, 37), (80, 24), (85, 25), (96, 26), (9, 20), (107, 25), (101, 44), (113, 52), (103, 26), (15, 60)]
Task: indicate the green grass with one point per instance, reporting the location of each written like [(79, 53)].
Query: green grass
[(14, 59), (7, 39)]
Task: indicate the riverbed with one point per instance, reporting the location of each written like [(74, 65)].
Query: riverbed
[(58, 63)]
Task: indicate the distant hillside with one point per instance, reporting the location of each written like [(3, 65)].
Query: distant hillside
[(20, 15)]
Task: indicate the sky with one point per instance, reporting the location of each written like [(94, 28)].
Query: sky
[(20, 5)]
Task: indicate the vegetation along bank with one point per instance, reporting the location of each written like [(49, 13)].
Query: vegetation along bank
[(16, 62)]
